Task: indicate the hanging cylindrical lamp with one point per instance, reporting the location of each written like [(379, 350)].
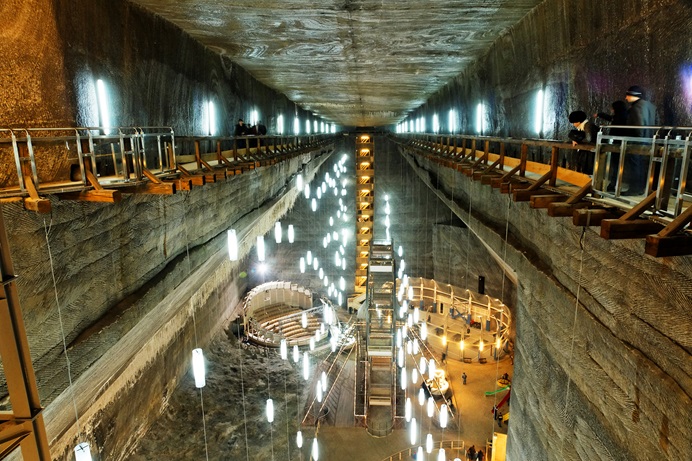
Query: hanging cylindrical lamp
[(277, 231), (421, 397), (302, 265), (410, 293), (270, 410), (313, 205), (404, 375), (308, 258), (306, 366), (431, 369), (198, 368), (232, 245), (299, 182), (414, 375), (306, 191), (260, 248), (413, 431), (323, 380), (416, 347), (283, 348), (407, 411), (319, 391), (82, 452), (291, 234), (319, 194), (428, 443), (423, 364), (416, 314), (400, 358), (480, 346), (431, 407), (401, 251), (315, 263), (441, 455), (304, 320), (424, 331), (312, 343), (299, 439), (315, 450), (419, 453), (443, 415)]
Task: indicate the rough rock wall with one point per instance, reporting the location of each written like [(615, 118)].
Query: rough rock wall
[(609, 376), (154, 73), (584, 55), (139, 283)]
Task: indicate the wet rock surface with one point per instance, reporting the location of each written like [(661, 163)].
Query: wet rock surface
[(240, 378)]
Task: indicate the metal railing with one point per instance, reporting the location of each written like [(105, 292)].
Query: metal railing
[(628, 167), (114, 156), (69, 159), (457, 448)]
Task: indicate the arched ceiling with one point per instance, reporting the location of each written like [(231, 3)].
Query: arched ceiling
[(352, 62)]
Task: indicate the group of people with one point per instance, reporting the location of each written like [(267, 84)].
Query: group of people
[(241, 129), (472, 454), (639, 113)]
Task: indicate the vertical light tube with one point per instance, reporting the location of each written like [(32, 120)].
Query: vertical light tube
[(283, 348), (408, 409), (270, 410), (260, 248), (413, 432), (102, 97), (302, 265), (280, 124), (198, 368), (278, 233), (480, 118), (291, 234), (212, 118), (296, 126), (431, 408), (296, 354), (538, 112), (232, 245), (306, 366), (429, 443), (443, 415), (315, 450), (299, 439)]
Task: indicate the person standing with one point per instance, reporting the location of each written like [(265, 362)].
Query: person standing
[(499, 418), (640, 113), (463, 377), (480, 456), (240, 130), (586, 132)]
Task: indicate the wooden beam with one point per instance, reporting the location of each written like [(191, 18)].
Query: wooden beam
[(102, 195), (167, 188), (592, 216), (506, 187), (564, 209), (33, 202), (640, 208), (628, 229), (197, 180), (580, 194), (524, 195), (542, 201), (675, 245)]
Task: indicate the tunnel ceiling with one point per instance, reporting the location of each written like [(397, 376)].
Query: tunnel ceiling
[(354, 63)]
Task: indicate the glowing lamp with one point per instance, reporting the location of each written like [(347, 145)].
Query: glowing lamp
[(291, 234), (283, 348), (296, 354), (198, 368), (82, 452), (277, 231), (441, 456), (431, 407), (270, 410), (315, 451), (408, 409), (260, 248), (299, 182), (443, 416), (428, 443), (413, 432), (299, 439), (232, 245)]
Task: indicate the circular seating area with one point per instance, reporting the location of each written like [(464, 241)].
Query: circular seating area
[(274, 311)]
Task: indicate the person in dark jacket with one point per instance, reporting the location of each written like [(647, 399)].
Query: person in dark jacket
[(585, 132), (240, 130), (640, 113)]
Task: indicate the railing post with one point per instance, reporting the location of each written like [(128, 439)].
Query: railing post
[(198, 156), (524, 155), (502, 156), (554, 156)]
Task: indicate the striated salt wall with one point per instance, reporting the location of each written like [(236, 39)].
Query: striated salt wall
[(607, 375)]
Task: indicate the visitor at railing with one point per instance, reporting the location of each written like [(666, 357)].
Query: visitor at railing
[(240, 130), (641, 113), (585, 132)]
